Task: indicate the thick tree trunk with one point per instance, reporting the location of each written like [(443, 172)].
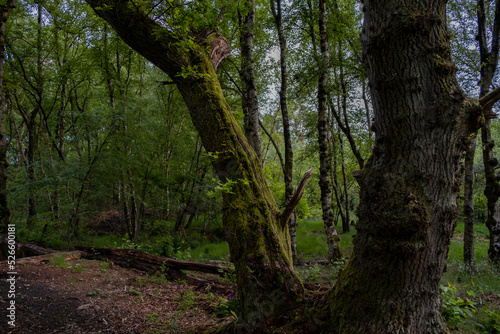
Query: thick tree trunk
[(249, 99), (259, 244), (332, 238), (410, 185)]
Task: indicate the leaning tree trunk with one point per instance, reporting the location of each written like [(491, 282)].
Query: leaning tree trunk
[(257, 235), (409, 186)]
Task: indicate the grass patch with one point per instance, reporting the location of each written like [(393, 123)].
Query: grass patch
[(311, 240), (481, 288), (211, 251), (59, 261)]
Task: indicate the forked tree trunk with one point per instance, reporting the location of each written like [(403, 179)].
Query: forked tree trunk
[(410, 185), (257, 236)]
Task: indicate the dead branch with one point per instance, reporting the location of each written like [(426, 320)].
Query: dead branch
[(294, 201)]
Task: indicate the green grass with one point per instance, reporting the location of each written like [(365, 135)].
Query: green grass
[(311, 240), (211, 251), (479, 287)]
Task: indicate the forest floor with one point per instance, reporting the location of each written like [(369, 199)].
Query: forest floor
[(84, 296)]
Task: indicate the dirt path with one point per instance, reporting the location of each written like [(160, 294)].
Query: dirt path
[(85, 296)]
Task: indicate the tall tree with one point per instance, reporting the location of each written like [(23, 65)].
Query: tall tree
[(409, 186), (489, 63), (5, 9), (250, 102), (332, 238), (257, 234), (288, 162)]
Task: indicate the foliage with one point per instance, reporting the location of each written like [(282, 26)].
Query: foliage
[(228, 309), (454, 308), (492, 323)]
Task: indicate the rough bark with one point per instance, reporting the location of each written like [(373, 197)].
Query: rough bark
[(249, 99), (5, 10), (332, 238), (288, 166), (489, 61), (260, 250), (410, 184)]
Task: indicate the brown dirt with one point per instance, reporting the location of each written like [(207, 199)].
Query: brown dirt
[(103, 298)]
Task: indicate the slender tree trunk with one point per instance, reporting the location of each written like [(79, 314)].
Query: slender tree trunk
[(31, 124), (346, 223), (367, 111), (249, 101), (288, 167), (5, 10), (187, 209), (336, 188), (489, 61), (469, 258), (332, 237), (342, 105), (410, 184)]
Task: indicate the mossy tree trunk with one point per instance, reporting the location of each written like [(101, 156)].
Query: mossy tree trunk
[(410, 184), (257, 236)]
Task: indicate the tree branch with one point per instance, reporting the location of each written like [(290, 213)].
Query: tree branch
[(275, 146), (488, 101), (294, 201), (345, 129)]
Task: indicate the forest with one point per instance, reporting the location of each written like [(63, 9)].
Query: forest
[(335, 158)]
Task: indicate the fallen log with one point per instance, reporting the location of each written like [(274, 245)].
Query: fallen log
[(74, 255), (148, 262), (25, 250)]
